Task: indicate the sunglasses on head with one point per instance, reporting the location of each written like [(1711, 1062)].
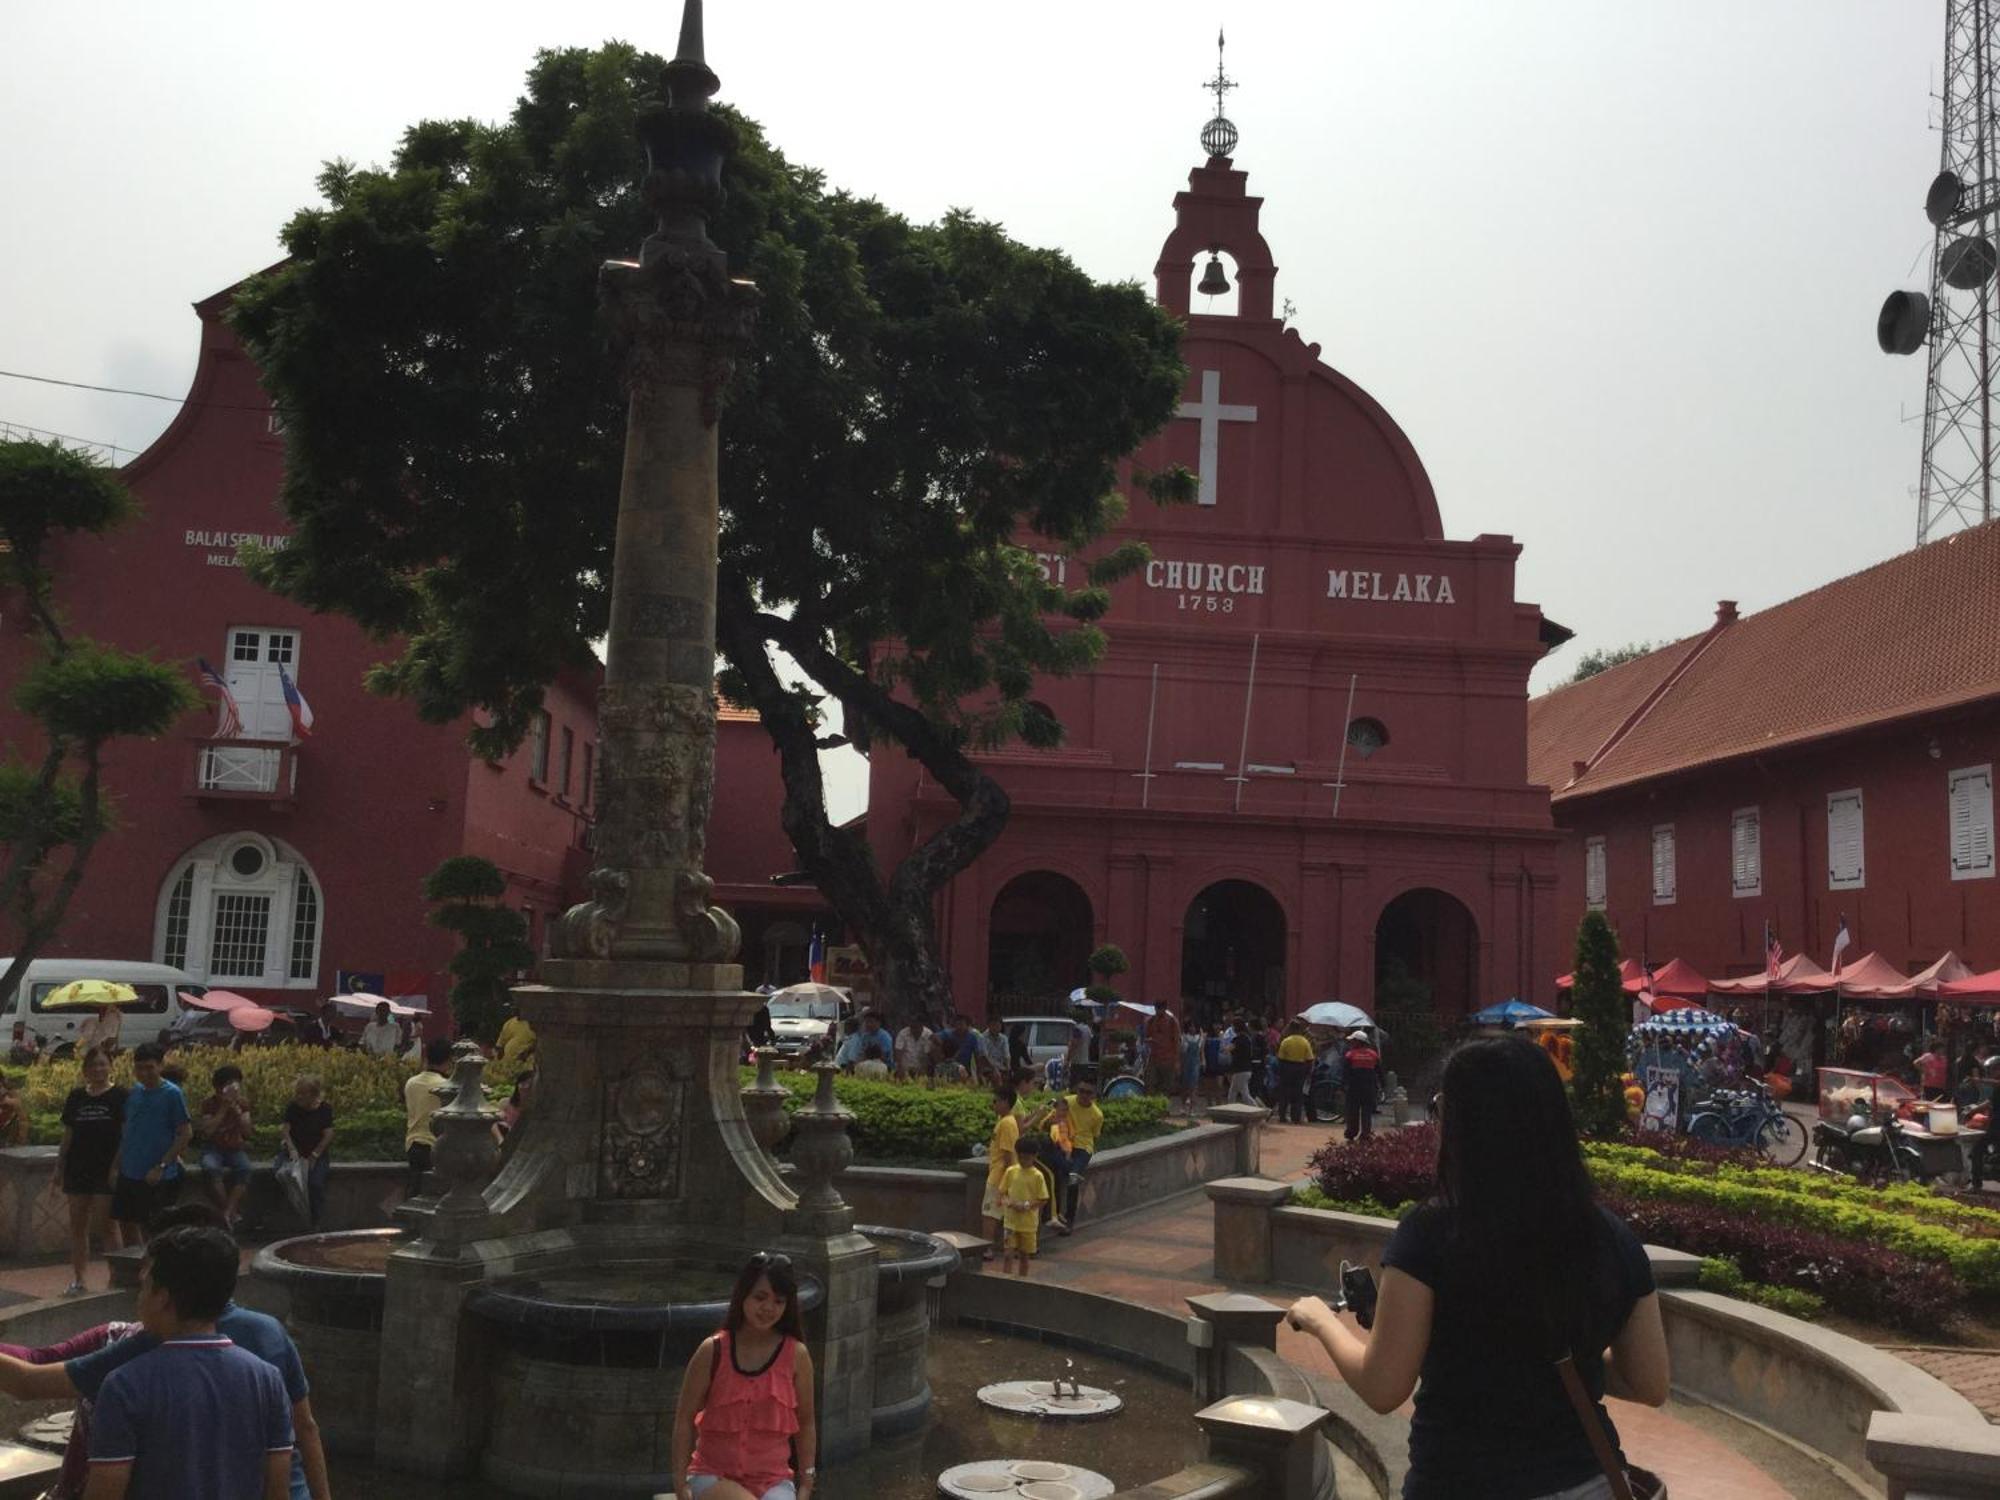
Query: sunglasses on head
[(766, 1260)]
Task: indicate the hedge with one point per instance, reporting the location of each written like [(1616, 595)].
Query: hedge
[(909, 1123), (366, 1093), (1722, 1275)]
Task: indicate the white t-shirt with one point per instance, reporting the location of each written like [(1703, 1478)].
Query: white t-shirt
[(380, 1038), (912, 1044)]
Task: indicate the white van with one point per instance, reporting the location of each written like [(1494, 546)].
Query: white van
[(157, 1008)]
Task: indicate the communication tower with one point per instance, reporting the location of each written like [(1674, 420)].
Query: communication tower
[(1956, 318)]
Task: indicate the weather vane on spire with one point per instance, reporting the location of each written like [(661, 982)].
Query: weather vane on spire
[(1218, 136)]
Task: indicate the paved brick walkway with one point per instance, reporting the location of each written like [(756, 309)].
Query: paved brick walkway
[(1973, 1373), (1164, 1255)]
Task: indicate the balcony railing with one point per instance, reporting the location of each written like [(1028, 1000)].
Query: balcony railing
[(256, 770)]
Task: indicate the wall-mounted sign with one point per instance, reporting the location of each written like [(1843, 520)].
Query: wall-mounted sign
[(222, 546), (1400, 588)]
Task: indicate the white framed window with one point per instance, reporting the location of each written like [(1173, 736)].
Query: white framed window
[(1846, 869), (538, 749), (1663, 865), (1746, 852), (1970, 796), (1593, 872), (241, 908)]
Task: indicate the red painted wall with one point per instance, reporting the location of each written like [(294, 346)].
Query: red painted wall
[(381, 797), (1910, 910), (1323, 553)]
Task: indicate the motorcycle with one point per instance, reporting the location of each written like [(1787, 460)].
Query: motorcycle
[(1873, 1152)]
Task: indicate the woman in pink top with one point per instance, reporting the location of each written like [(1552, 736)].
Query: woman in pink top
[(747, 1399)]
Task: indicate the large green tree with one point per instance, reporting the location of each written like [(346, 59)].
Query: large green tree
[(80, 695), (1598, 998), (919, 397)]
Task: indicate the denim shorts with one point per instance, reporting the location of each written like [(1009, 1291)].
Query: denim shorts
[(701, 1484), (232, 1166)]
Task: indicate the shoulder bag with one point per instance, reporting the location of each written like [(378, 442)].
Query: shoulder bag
[(1628, 1482)]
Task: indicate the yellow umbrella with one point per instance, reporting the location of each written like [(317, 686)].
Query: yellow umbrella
[(87, 992)]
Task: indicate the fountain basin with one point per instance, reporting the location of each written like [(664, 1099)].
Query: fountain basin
[(911, 1266), (593, 1352)]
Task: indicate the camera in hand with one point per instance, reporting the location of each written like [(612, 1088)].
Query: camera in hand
[(1357, 1293)]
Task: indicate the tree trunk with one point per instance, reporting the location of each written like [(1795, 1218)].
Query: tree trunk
[(38, 926), (895, 923)]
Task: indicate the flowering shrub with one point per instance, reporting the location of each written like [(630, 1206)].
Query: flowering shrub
[(1853, 1278), (1392, 1167)]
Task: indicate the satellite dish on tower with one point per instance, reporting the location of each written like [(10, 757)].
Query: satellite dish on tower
[(1904, 320), (1967, 263), (1946, 193)]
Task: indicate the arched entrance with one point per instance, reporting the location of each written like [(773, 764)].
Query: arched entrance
[(1037, 942), (1233, 950), (1426, 938)]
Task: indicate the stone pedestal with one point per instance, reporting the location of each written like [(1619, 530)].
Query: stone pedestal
[(1243, 1226), (1233, 1319), (1276, 1439), (1252, 1118)]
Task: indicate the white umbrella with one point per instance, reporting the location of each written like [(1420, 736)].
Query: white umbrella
[(1336, 1013), (364, 1004), (1144, 1010), (807, 991)]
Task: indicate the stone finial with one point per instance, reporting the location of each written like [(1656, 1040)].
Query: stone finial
[(466, 1155), (821, 1151), (764, 1102)]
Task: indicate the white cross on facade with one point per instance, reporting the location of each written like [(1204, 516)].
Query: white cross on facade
[(1211, 413)]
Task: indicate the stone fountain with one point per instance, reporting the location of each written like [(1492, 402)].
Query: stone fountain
[(637, 1184)]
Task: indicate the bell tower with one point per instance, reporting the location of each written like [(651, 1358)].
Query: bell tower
[(1217, 214)]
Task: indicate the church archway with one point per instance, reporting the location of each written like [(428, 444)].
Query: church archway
[(1037, 942), (1233, 950), (1428, 938)]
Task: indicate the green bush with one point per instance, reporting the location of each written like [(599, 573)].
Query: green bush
[(1720, 1274), (906, 1122)]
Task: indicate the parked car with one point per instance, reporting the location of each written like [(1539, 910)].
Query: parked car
[(803, 1016), (1048, 1036), (146, 1018)]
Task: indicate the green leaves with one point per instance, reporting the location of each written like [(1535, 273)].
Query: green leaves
[(46, 488), (1598, 1000), (465, 891), (91, 693)]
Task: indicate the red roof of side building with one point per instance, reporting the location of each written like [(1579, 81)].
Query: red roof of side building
[(1911, 635)]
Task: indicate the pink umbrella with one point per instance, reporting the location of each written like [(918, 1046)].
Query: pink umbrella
[(251, 1018), (217, 1000)]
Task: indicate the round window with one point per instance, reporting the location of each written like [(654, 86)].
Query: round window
[(247, 860), (1367, 736)]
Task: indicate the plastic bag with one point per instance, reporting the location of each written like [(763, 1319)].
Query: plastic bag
[(292, 1179)]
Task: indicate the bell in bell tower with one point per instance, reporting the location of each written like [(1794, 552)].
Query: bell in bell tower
[(1216, 216)]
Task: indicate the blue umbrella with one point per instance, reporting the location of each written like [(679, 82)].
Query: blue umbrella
[(1510, 1013)]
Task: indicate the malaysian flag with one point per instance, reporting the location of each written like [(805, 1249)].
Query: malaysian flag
[(228, 719), (1774, 954)]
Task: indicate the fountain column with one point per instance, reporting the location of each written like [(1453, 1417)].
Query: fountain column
[(637, 1147)]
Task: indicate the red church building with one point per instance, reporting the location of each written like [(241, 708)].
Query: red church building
[(267, 860), (1828, 759), (1303, 757)]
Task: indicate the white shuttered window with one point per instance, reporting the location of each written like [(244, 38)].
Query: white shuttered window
[(1746, 853), (1663, 865), (1593, 873), (1845, 870), (1971, 803)]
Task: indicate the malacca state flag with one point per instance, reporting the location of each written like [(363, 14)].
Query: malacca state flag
[(816, 958), (296, 705)]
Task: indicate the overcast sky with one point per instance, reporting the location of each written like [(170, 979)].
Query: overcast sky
[(1613, 267)]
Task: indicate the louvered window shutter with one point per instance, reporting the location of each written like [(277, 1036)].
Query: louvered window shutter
[(1845, 870), (1971, 804)]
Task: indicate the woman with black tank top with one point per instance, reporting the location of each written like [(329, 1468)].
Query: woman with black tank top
[(1510, 1268)]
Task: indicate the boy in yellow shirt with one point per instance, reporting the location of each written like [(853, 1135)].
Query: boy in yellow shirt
[(1023, 1191), (999, 1159)]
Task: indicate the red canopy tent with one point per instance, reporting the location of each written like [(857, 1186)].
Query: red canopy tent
[(1630, 972), (1979, 989), (1680, 979), (1660, 1004), (1872, 977), (1797, 975), (1947, 970)]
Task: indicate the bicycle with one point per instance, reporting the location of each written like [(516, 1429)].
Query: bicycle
[(1746, 1117)]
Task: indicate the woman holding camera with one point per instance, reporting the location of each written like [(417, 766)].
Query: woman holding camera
[(1501, 1294)]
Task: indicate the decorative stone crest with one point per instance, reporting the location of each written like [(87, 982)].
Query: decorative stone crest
[(639, 1154)]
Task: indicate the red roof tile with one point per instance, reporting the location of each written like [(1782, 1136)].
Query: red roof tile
[(1908, 636)]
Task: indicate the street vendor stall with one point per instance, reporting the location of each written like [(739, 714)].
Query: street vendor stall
[(1930, 1130)]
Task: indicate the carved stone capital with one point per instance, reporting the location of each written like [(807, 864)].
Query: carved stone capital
[(678, 319)]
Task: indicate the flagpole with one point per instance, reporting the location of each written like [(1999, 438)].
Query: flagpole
[(1243, 746), (1146, 776), (1346, 727)]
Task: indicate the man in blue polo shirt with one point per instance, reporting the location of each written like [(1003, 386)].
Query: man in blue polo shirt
[(82, 1378), (157, 1131), (195, 1418)]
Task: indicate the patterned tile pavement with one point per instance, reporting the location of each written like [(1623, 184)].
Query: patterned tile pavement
[(1163, 1255), (1973, 1373)]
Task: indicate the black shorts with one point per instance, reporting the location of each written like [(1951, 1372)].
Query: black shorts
[(86, 1179), (135, 1201)]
